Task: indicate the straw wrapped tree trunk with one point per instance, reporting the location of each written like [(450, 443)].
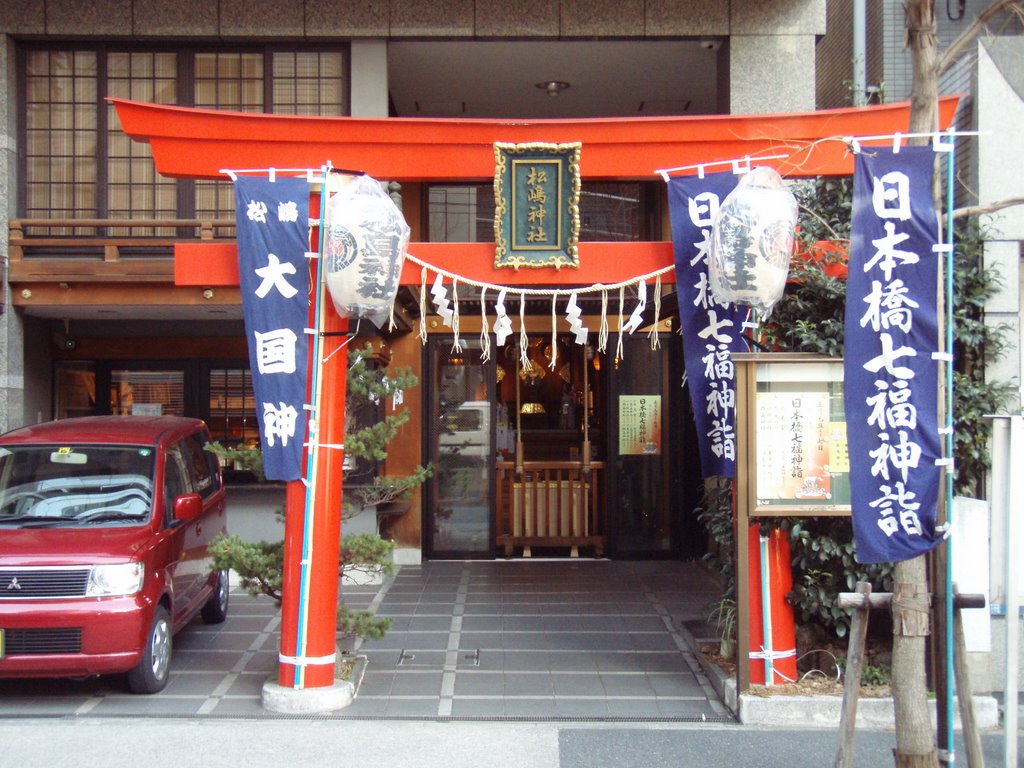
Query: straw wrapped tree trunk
[(915, 738)]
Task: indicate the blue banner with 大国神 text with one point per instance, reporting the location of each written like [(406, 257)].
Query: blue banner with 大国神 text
[(712, 331), (272, 219), (891, 374)]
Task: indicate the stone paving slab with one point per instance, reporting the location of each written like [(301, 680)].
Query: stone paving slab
[(539, 640)]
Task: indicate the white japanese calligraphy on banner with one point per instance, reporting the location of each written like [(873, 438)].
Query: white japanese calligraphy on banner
[(711, 329), (272, 220), (891, 373)]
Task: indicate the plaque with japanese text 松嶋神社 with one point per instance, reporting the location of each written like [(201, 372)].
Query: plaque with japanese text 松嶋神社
[(536, 195)]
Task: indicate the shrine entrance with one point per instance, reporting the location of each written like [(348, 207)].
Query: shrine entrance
[(622, 497)]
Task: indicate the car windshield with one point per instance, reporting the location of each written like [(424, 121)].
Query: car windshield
[(59, 485)]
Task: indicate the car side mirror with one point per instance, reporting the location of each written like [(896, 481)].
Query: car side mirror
[(188, 507)]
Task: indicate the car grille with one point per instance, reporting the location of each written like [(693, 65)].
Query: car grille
[(26, 583), (20, 642)]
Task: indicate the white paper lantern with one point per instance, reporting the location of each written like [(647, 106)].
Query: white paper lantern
[(752, 242), (364, 249)]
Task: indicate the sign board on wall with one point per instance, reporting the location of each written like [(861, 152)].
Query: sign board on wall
[(639, 425), (800, 447), (536, 196)]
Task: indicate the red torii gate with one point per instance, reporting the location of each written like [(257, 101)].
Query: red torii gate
[(199, 144)]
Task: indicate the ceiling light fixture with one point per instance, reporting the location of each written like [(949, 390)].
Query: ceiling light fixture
[(553, 87)]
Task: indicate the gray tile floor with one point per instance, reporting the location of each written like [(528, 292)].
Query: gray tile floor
[(532, 640)]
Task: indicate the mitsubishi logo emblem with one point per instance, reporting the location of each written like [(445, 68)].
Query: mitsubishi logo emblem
[(14, 585)]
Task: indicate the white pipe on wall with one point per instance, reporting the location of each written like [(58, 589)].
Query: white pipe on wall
[(860, 53)]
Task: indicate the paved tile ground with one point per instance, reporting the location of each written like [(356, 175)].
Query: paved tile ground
[(532, 640)]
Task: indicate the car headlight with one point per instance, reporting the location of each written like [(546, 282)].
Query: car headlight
[(114, 579)]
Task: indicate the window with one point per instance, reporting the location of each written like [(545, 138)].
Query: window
[(307, 83), (61, 134), (147, 393), (78, 163), (134, 190), (202, 464), (232, 420), (175, 481)]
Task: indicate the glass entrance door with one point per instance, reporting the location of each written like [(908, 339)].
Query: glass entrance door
[(641, 518), (460, 444)]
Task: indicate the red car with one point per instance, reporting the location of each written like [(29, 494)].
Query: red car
[(104, 527)]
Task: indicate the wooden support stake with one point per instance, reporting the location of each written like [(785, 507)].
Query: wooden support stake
[(852, 675), (972, 738)]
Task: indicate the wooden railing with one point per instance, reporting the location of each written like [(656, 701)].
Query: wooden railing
[(103, 250), (551, 504)]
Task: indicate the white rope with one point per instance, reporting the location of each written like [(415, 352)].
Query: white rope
[(602, 336), (457, 346), (619, 351), (653, 333), (524, 342), (423, 306), (532, 292), (773, 655), (485, 337), (554, 337)]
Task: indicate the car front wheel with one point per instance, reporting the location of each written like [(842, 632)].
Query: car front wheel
[(152, 671)]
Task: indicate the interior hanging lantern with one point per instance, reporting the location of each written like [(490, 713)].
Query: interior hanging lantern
[(364, 249), (752, 242)]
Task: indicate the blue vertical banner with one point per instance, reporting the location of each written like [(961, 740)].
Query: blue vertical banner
[(891, 374), (272, 219), (712, 331)]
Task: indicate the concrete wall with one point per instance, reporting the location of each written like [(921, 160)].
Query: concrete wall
[(999, 107), (771, 55), (12, 382), (284, 19)]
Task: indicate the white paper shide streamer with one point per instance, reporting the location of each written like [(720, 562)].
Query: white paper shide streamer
[(502, 322), (441, 302), (638, 312), (573, 314)]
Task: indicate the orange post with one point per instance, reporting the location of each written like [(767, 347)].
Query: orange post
[(783, 629), (309, 599)]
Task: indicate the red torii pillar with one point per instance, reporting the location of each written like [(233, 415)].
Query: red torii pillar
[(312, 536)]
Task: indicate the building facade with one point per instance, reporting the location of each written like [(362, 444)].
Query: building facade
[(92, 320)]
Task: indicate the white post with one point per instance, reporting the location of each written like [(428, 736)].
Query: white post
[(860, 53), (1015, 454)]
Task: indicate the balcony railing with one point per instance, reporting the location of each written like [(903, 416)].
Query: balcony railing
[(103, 250)]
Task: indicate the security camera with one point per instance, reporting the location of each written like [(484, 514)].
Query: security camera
[(69, 344)]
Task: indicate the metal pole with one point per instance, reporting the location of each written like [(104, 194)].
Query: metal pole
[(766, 615), (949, 319), (1015, 455), (860, 53)]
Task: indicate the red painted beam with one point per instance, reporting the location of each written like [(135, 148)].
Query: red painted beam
[(199, 143), (213, 264)]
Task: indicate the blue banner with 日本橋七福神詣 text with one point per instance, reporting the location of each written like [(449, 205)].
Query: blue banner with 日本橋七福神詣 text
[(891, 373), (712, 330), (272, 219)]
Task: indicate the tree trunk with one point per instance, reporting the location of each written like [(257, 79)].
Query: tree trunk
[(915, 738)]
